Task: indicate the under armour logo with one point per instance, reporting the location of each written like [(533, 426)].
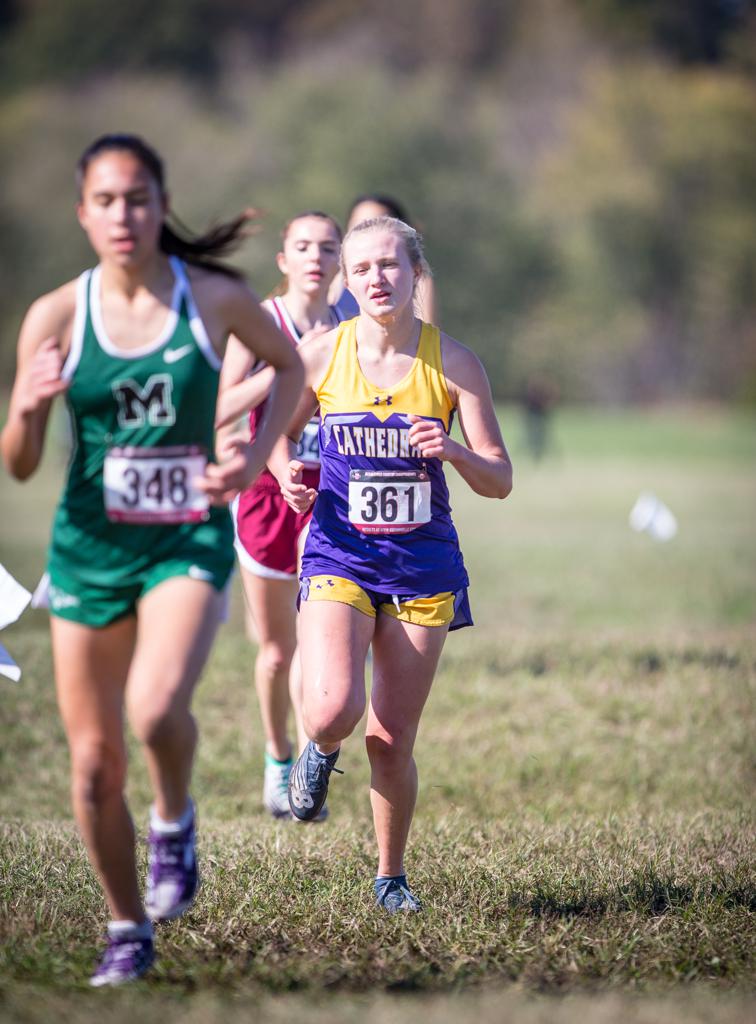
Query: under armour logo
[(388, 400)]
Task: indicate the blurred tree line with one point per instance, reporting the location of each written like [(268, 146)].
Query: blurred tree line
[(584, 171)]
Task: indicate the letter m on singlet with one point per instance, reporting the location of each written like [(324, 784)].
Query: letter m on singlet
[(150, 404)]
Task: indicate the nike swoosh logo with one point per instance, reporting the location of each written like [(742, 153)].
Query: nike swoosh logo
[(172, 355), (196, 572)]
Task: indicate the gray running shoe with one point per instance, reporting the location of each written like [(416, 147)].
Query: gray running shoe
[(276, 785), (394, 896), (321, 816), (308, 782), (126, 958)]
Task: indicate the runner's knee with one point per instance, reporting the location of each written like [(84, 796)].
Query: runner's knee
[(276, 656), (155, 725), (98, 771), (389, 754), (331, 726)]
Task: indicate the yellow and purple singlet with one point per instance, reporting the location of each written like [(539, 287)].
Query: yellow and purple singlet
[(382, 517)]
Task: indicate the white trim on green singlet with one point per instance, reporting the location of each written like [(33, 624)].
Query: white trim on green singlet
[(79, 326), (169, 327), (196, 324)]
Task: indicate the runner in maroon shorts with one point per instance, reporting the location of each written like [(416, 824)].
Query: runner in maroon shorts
[(269, 534)]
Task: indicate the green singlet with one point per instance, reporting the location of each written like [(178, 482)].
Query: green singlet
[(142, 424)]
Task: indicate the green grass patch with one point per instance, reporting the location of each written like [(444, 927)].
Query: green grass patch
[(584, 839)]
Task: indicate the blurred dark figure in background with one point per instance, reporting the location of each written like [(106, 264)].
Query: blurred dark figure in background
[(539, 397)]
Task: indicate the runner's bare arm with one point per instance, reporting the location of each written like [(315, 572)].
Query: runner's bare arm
[(316, 355), (239, 391), (284, 465), (236, 310), (483, 461), (42, 346)]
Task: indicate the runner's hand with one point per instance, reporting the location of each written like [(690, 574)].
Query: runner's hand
[(41, 380), (431, 438), (315, 331), (224, 480), (295, 494), (227, 447)]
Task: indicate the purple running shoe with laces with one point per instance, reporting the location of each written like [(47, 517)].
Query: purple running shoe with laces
[(128, 955), (172, 878)]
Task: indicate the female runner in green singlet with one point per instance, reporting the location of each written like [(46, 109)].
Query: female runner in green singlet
[(139, 558)]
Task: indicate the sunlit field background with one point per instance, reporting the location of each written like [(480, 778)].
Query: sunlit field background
[(584, 175), (585, 826)]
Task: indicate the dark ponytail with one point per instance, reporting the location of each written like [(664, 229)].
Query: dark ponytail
[(203, 250), (175, 238)]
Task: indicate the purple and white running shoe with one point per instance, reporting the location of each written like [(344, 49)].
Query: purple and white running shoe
[(128, 955), (172, 878)]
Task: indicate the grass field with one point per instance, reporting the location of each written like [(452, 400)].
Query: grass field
[(584, 841)]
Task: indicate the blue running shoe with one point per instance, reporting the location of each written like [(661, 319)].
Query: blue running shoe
[(308, 782), (173, 878), (394, 896), (127, 957), (318, 819)]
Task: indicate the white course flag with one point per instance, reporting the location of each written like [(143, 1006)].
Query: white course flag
[(13, 599), (650, 515), (8, 667)]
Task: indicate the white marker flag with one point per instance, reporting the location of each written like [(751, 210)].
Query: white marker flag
[(8, 667), (13, 599), (650, 515)]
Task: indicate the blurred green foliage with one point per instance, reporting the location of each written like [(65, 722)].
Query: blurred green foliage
[(584, 170)]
